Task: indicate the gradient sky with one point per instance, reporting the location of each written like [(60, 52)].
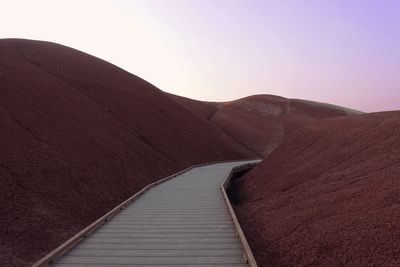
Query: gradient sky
[(345, 52)]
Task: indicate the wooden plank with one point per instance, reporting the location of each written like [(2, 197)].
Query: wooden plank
[(204, 240), (168, 227), (223, 230), (146, 265), (153, 260), (168, 220), (157, 253), (166, 235), (158, 247)]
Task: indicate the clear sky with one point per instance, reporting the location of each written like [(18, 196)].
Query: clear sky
[(345, 52)]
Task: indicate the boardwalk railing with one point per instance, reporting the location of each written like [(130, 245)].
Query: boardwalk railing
[(73, 241), (242, 238)]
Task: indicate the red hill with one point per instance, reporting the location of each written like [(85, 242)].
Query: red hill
[(78, 136), (262, 122), (328, 196)]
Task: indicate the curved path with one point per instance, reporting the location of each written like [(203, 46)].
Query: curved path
[(181, 222)]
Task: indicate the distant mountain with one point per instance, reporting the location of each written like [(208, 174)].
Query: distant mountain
[(79, 136), (262, 122)]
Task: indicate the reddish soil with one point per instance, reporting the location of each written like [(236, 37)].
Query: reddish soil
[(262, 122), (328, 196), (79, 136)]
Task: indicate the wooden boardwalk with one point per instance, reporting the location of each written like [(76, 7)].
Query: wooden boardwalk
[(181, 222)]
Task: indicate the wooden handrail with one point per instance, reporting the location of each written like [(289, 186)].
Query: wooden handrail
[(248, 254), (73, 241)]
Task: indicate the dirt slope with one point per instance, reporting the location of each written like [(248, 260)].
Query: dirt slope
[(329, 196), (202, 108), (261, 122), (76, 129)]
